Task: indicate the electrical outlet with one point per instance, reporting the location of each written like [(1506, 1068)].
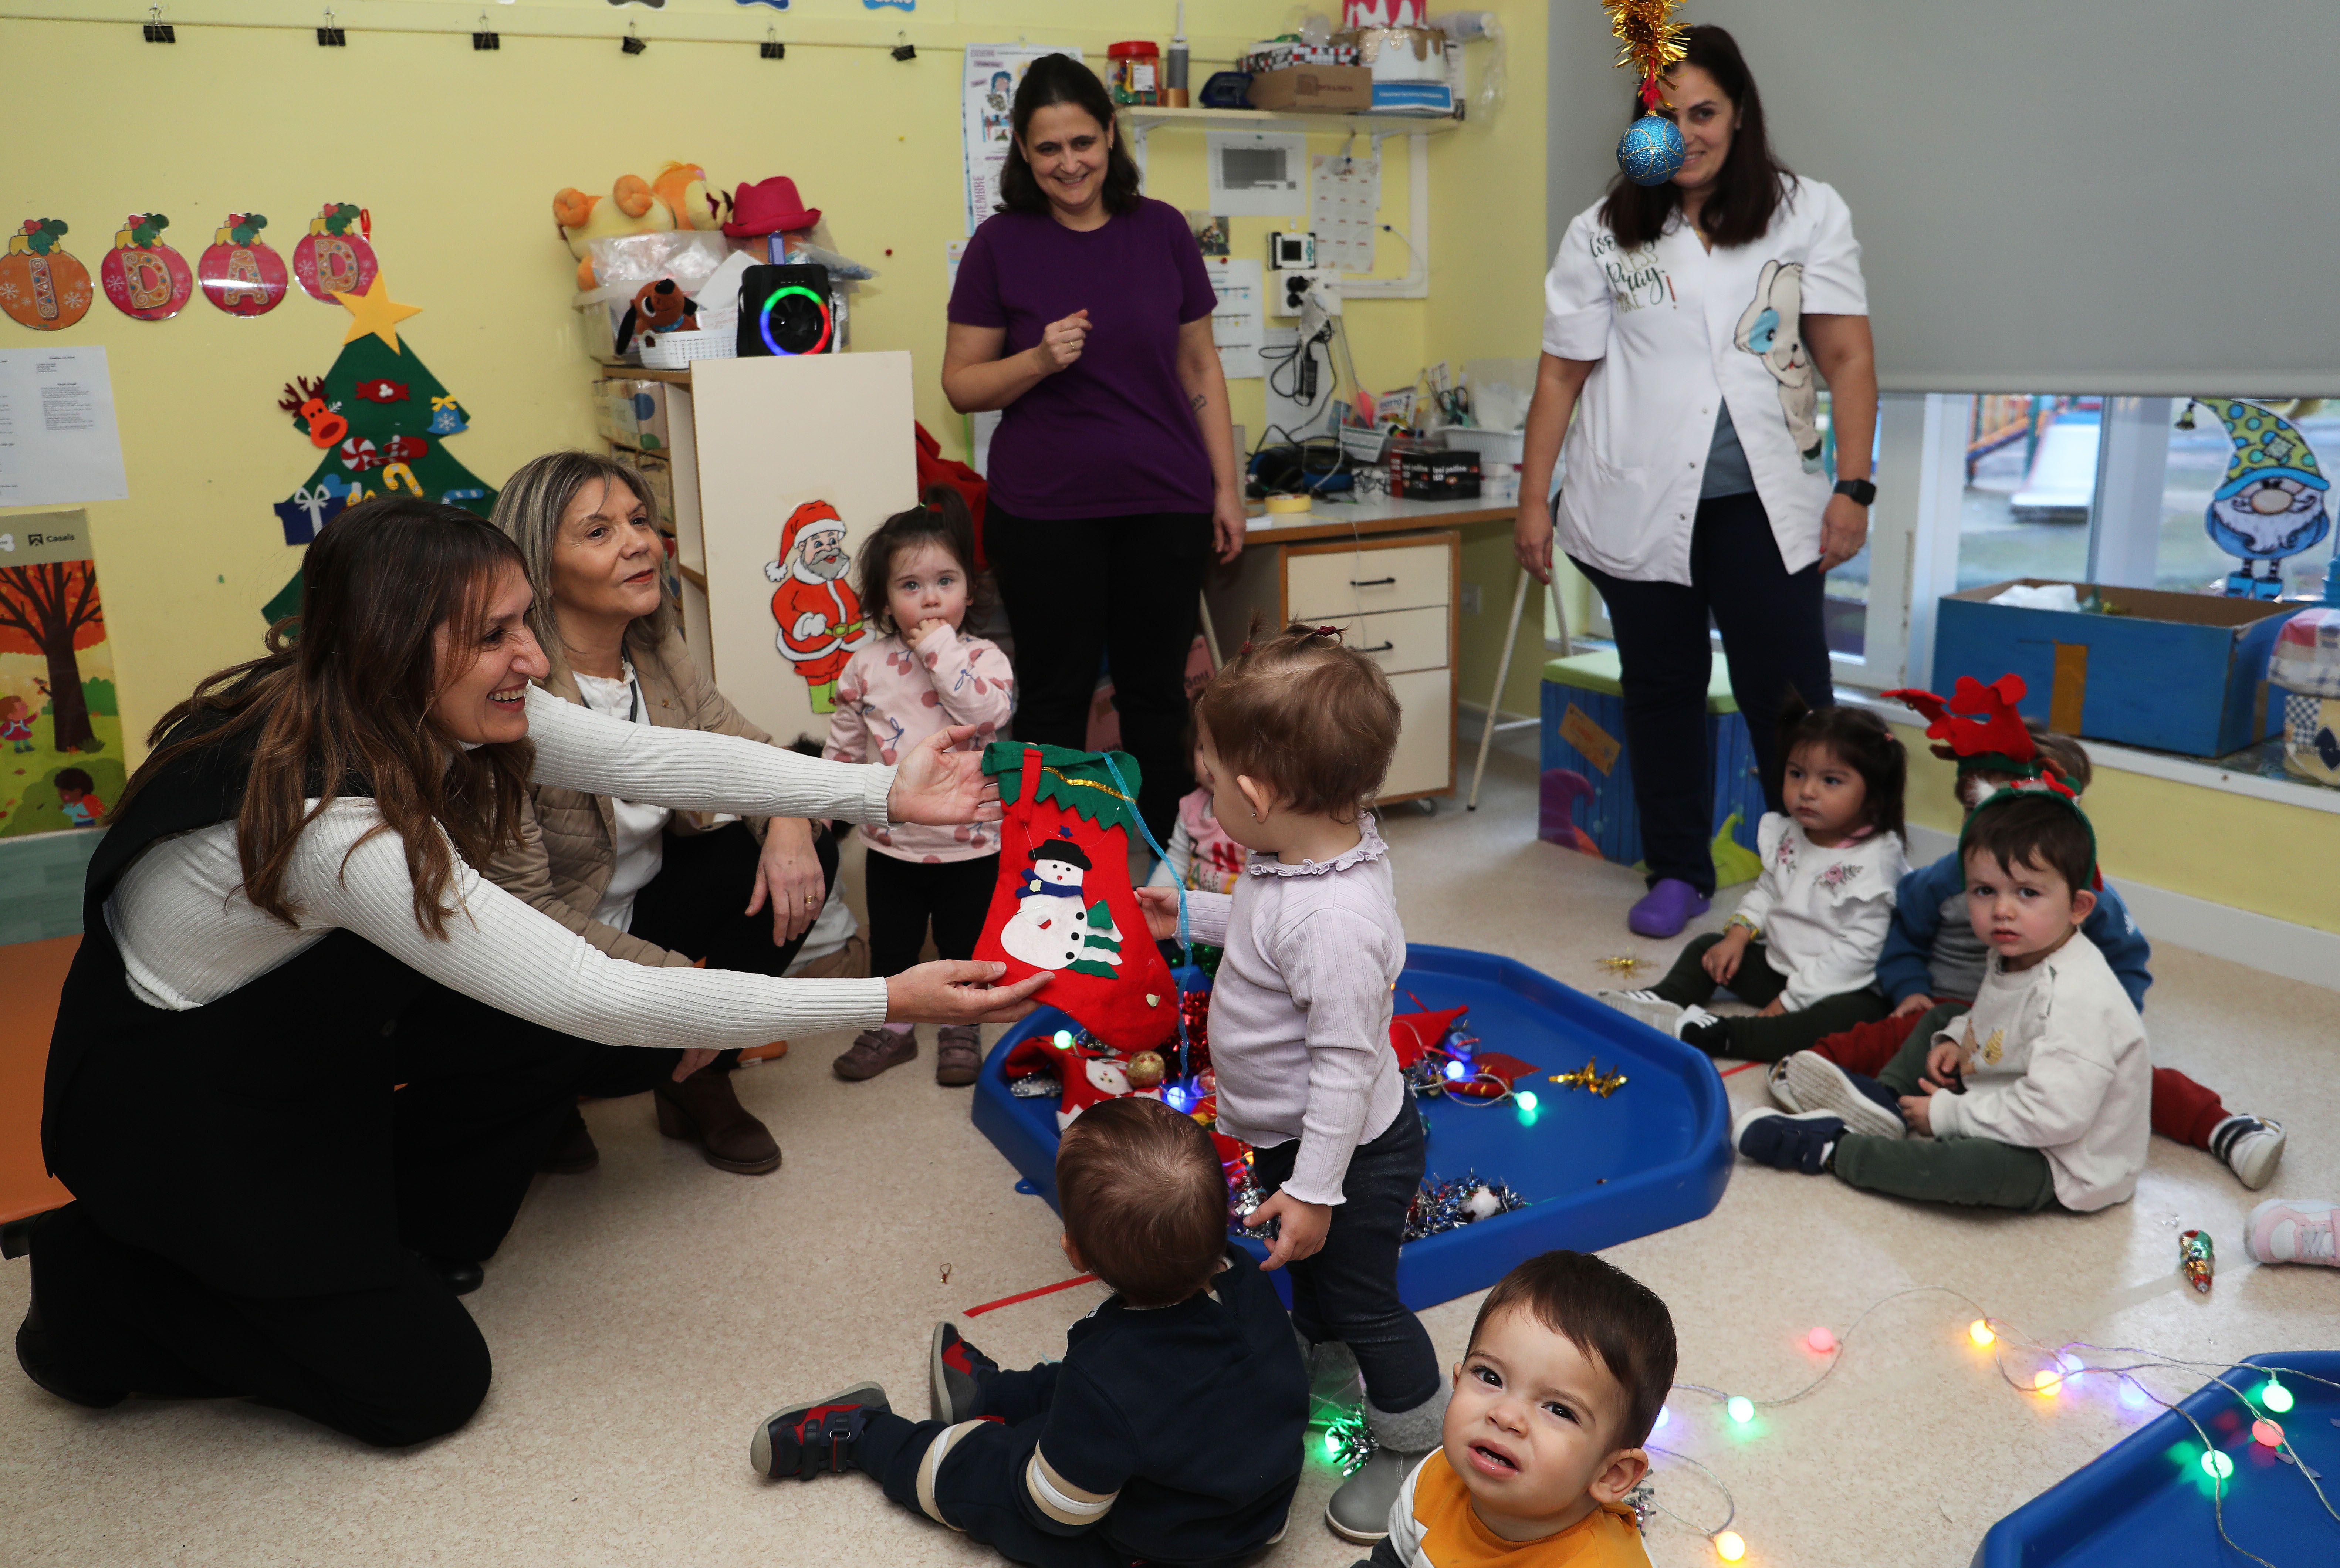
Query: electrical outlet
[(1470, 599), (1287, 288)]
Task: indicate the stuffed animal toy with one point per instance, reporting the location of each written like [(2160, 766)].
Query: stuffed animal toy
[(682, 189), (632, 207), (658, 307)]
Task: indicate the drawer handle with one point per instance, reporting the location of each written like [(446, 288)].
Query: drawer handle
[(1371, 582), (1378, 647)]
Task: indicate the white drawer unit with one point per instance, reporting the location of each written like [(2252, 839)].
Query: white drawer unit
[(1393, 597)]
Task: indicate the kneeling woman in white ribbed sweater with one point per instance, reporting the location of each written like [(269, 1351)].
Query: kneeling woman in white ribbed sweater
[(285, 899)]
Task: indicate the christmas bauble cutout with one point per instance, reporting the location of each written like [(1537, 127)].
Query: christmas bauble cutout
[(42, 287), (1651, 151), (334, 256), (241, 273), (144, 278)]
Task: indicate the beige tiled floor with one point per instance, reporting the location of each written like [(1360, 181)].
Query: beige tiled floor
[(644, 1315)]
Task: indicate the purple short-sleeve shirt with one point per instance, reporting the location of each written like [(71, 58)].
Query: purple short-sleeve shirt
[(1114, 435)]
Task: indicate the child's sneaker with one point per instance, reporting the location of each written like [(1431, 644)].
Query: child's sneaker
[(1698, 1027), (1784, 1093), (1865, 1105), (1788, 1141), (2283, 1231), (2251, 1146), (875, 1051), (958, 1055), (953, 1366), (1647, 1006), (804, 1440)]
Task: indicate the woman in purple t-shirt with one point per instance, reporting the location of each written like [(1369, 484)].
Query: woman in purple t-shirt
[(1083, 312)]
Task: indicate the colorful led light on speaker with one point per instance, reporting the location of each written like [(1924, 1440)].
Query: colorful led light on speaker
[(764, 319)]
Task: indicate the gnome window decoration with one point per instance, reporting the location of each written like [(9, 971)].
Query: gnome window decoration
[(2271, 504)]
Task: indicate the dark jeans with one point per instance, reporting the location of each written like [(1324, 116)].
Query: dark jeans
[(1121, 589), (1981, 1172), (1756, 983), (1348, 1291), (904, 895), (1770, 619)]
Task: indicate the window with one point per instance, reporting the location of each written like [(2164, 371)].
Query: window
[(2031, 488)]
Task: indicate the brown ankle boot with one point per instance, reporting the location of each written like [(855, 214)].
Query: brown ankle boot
[(704, 1106), (872, 1051), (958, 1055)]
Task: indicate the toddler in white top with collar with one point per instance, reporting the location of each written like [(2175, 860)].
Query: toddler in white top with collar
[(1294, 734), (1803, 944)]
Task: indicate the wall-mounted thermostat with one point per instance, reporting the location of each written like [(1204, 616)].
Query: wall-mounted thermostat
[(1290, 250)]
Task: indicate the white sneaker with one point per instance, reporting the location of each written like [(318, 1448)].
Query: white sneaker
[(1649, 1007), (1694, 1019), (1783, 1094), (1822, 1086), (2251, 1146), (2281, 1230)]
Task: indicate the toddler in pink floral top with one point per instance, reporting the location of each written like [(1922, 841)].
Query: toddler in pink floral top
[(920, 674)]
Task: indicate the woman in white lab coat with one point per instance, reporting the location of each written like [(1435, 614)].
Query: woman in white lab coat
[(1683, 326)]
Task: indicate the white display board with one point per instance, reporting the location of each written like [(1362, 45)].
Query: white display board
[(784, 440)]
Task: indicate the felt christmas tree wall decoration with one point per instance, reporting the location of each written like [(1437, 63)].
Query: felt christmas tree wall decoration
[(1063, 903), (392, 417)]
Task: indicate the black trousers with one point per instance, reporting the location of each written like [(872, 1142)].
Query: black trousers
[(1771, 629), (1348, 1290), (1758, 984), (1123, 588), (905, 894)]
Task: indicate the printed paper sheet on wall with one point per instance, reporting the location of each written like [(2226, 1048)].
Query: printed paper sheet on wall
[(1345, 195), (988, 84), (1239, 319)]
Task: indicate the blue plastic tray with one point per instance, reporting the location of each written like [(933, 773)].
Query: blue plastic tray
[(1595, 1172), (2147, 1501)]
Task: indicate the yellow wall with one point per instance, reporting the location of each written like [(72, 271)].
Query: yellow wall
[(457, 155)]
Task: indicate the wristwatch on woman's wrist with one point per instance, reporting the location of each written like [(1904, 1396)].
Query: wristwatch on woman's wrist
[(1862, 490)]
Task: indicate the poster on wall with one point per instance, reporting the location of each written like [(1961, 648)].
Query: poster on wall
[(60, 726), (799, 460), (988, 84)]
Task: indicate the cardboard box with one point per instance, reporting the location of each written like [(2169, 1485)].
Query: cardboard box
[(1326, 89), (634, 413), (2183, 672)]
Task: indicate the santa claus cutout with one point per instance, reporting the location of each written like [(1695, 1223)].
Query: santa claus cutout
[(819, 613)]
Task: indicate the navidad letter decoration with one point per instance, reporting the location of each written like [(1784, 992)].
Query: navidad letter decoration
[(335, 257), (144, 277), (1063, 903), (1648, 41), (241, 273), (41, 286)]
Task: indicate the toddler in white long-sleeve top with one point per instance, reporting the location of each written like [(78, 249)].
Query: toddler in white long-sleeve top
[(1296, 735), (921, 674), (1803, 944)]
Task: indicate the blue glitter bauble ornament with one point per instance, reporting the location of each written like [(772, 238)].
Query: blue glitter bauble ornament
[(1650, 150)]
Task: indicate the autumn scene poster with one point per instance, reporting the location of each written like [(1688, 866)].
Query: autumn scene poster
[(60, 727)]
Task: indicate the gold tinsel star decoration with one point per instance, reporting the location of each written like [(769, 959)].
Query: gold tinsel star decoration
[(1623, 965), (1590, 1079), (1647, 40), (375, 311)]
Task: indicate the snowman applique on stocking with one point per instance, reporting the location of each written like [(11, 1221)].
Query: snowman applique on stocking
[(1063, 903)]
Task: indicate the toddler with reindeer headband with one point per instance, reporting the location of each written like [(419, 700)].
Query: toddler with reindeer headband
[(920, 674), (1295, 736), (1804, 945)]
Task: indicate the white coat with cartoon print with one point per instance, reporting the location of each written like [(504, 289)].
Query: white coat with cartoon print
[(1672, 327)]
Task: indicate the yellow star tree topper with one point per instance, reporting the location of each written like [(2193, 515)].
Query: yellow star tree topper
[(375, 311)]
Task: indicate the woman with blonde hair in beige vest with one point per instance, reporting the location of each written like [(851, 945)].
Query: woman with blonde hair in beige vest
[(642, 883)]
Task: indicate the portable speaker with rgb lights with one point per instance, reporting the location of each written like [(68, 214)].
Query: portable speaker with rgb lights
[(785, 311)]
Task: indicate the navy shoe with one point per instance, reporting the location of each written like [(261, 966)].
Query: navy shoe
[(804, 1440), (953, 1368), (1866, 1105), (1788, 1141)]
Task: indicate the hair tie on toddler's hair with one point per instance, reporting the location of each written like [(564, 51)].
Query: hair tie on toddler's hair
[(1332, 631), (1247, 646)]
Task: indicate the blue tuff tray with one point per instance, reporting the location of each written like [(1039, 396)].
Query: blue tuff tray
[(2147, 1500), (1595, 1172)]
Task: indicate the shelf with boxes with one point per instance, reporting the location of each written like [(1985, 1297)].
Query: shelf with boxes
[(649, 421)]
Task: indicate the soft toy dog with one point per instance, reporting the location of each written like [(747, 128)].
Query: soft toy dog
[(658, 307)]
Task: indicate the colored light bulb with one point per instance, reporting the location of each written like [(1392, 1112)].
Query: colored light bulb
[(2267, 1434), (1741, 1408), (1665, 1413), (1527, 1099), (2274, 1396), (2045, 1380), (2133, 1395), (1820, 1339), (2216, 1466), (2071, 1362), (1063, 1039), (1981, 1331), (1729, 1546), (1455, 1069), (1332, 1442)]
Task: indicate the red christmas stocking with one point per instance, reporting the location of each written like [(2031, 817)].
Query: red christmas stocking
[(1064, 903)]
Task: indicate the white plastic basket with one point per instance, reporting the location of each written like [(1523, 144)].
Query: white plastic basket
[(672, 351)]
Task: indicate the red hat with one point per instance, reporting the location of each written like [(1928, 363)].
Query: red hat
[(802, 519), (768, 206)]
